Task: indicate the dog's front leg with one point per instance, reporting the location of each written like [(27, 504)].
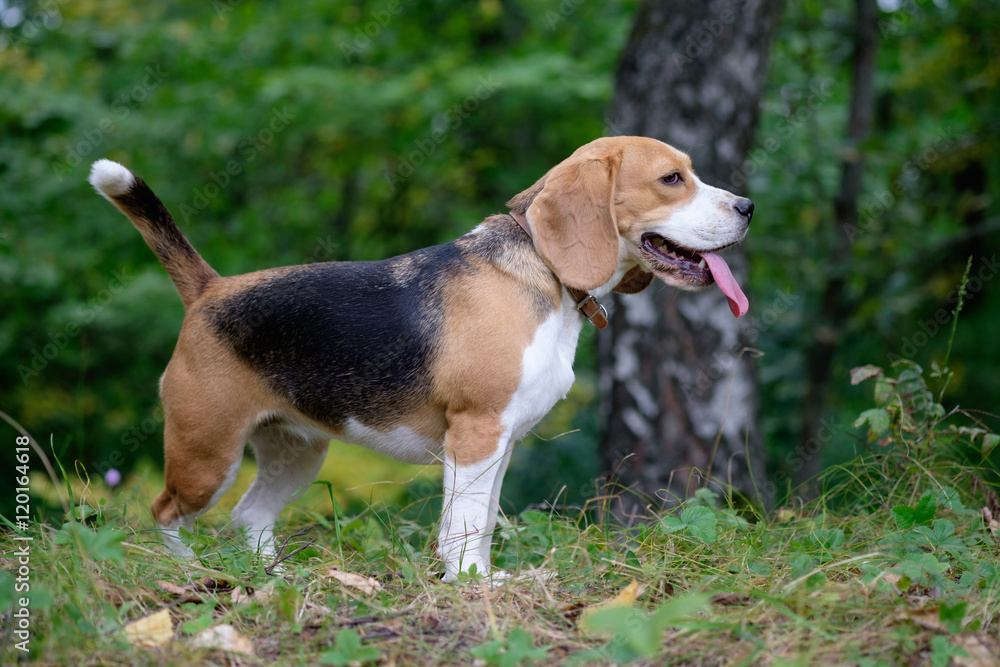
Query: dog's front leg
[(471, 498)]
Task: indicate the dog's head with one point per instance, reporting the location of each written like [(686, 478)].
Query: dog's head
[(635, 205)]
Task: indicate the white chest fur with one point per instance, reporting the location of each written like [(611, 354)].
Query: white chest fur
[(546, 369)]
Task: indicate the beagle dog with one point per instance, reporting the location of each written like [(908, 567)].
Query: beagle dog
[(447, 354)]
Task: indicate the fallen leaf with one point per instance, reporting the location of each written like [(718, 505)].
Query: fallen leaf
[(173, 589), (193, 591), (208, 584), (151, 631), (928, 619), (241, 595), (625, 599), (113, 593), (366, 585), (224, 638), (982, 649), (731, 599), (992, 523)]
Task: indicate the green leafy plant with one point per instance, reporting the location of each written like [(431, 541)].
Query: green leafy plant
[(636, 634), (699, 522), (517, 648), (100, 544), (347, 649), (922, 514)]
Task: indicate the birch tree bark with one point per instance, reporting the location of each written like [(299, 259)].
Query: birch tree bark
[(679, 395)]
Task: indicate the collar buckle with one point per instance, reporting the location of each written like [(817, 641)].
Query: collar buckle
[(590, 308)]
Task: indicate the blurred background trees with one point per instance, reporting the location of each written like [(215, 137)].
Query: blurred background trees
[(314, 131), (679, 390)]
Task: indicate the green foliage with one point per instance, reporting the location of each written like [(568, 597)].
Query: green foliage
[(909, 415), (348, 649), (103, 543), (923, 513), (952, 615), (635, 634), (882, 569), (204, 615), (942, 652), (930, 168), (6, 591), (517, 649), (699, 522)]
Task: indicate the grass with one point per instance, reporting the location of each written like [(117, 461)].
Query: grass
[(895, 562)]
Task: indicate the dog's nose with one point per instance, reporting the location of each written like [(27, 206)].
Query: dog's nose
[(745, 208)]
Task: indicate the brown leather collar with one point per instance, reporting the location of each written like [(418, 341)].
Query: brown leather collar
[(588, 306)]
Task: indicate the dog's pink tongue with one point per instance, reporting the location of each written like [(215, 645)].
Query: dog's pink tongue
[(724, 279)]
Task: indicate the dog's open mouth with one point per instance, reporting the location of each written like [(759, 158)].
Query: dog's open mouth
[(694, 269)]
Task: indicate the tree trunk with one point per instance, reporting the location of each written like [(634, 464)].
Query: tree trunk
[(834, 308), (679, 394)]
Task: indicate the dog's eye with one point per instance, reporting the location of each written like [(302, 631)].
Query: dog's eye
[(672, 179)]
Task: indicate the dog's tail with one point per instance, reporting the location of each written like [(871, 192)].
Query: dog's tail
[(190, 273)]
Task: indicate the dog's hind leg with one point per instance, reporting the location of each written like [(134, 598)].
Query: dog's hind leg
[(206, 427), (201, 465), (287, 463)]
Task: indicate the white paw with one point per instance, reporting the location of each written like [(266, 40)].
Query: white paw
[(500, 577), (172, 541), (541, 575)]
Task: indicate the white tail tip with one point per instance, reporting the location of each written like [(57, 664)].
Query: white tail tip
[(110, 178)]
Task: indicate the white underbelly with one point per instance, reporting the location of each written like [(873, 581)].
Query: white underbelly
[(400, 443)]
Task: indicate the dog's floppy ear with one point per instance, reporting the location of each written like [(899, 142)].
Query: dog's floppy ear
[(571, 215)]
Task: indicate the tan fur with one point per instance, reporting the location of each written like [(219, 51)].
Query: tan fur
[(226, 286), (578, 235), (573, 222), (640, 199), (487, 329), (210, 402)]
